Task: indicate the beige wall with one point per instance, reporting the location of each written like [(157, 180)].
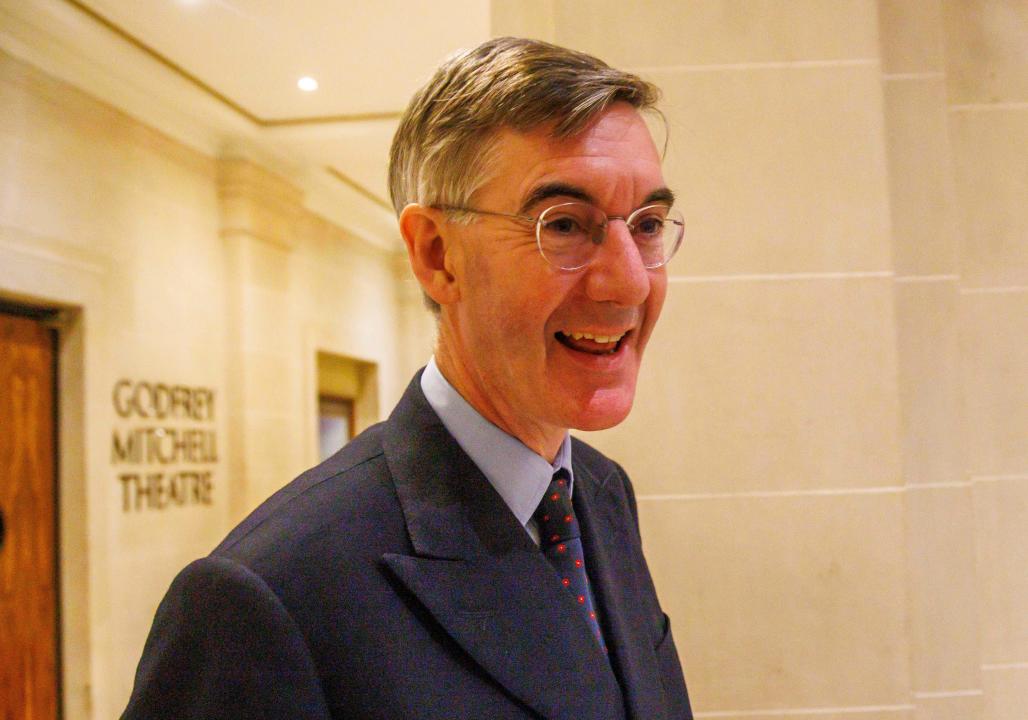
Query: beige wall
[(985, 45), (830, 441), (180, 268)]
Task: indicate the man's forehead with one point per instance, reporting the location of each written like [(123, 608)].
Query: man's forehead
[(616, 149)]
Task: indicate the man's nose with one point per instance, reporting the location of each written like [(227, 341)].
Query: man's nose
[(616, 273)]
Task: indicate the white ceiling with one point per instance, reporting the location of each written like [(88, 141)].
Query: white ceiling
[(368, 57), (222, 74)]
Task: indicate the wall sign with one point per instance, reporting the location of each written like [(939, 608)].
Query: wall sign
[(166, 446)]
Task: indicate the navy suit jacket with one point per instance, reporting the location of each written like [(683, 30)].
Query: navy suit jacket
[(392, 581)]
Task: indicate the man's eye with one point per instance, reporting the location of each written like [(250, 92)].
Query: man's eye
[(649, 226), (564, 226)]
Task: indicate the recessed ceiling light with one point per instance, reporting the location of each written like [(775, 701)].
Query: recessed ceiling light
[(307, 84)]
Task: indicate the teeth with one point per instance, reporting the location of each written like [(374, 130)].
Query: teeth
[(601, 339)]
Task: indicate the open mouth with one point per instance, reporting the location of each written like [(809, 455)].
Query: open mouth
[(590, 343)]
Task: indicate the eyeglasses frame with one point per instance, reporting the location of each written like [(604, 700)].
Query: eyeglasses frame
[(537, 222)]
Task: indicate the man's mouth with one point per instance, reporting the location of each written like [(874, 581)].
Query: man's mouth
[(590, 343)]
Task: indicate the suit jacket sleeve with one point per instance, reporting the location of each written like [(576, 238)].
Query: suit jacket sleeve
[(223, 646)]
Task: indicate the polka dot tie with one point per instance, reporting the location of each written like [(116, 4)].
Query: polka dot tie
[(561, 543)]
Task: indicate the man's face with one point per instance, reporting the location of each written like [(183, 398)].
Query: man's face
[(508, 342)]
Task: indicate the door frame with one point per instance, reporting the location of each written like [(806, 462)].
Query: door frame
[(44, 274)]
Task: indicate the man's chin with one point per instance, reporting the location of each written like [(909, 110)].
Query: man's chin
[(603, 410)]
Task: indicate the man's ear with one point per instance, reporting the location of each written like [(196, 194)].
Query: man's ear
[(427, 248)]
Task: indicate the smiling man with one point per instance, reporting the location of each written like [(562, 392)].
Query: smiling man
[(467, 558)]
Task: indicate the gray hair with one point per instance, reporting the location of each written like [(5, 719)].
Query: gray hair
[(441, 150)]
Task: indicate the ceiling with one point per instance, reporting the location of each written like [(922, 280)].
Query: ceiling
[(368, 57), (223, 73)]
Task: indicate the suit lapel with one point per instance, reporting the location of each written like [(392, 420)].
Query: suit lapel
[(609, 559), (477, 572)]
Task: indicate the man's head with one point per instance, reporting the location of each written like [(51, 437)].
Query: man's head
[(515, 128), (442, 149)]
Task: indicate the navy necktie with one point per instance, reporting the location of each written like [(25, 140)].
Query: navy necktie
[(561, 543)]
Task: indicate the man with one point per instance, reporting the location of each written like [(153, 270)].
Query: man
[(466, 558)]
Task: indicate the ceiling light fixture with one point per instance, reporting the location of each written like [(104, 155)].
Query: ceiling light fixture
[(307, 84)]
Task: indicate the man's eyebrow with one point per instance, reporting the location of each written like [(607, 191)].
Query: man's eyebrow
[(662, 195), (552, 190)]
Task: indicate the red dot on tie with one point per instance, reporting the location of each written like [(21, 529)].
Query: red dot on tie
[(566, 582), (581, 599), (561, 548), (567, 518), (561, 483), (592, 614), (578, 563), (545, 518), (555, 538), (555, 497)]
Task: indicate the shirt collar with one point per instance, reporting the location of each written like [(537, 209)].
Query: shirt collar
[(518, 474)]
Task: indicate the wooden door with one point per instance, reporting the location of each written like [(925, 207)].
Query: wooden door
[(28, 598)]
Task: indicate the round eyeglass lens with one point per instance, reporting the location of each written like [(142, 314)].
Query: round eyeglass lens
[(569, 234), (657, 230)]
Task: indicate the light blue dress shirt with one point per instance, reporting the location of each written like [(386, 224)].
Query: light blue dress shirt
[(518, 474)]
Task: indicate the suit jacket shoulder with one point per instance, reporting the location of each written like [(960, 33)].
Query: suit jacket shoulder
[(324, 510)]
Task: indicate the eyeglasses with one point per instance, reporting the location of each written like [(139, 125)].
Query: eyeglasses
[(569, 234)]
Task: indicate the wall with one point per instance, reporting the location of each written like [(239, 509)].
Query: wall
[(179, 268), (985, 75), (829, 440)]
